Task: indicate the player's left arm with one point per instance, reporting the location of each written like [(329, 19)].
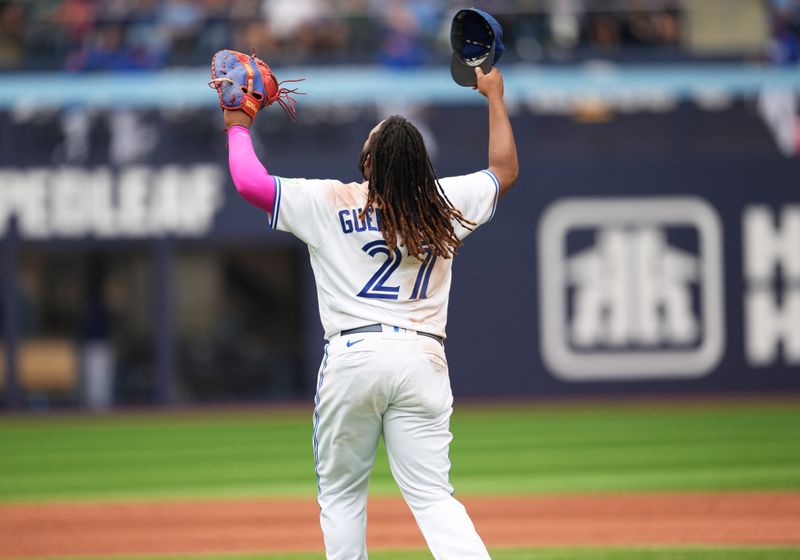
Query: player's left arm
[(503, 161), (302, 207), (251, 178)]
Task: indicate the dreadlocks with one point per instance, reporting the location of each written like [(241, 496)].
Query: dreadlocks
[(403, 185)]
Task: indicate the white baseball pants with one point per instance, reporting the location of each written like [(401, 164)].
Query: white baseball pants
[(395, 384)]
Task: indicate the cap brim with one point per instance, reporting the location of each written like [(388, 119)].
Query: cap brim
[(464, 74)]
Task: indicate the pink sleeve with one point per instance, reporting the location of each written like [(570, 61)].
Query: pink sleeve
[(252, 180)]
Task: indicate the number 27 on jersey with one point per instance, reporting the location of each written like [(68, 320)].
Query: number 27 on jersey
[(379, 286)]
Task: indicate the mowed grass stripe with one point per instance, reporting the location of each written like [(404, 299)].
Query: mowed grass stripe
[(519, 449), (156, 455), (152, 435), (611, 425), (689, 480), (690, 449)]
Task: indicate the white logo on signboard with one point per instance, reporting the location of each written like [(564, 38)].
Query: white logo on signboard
[(630, 304), (632, 288)]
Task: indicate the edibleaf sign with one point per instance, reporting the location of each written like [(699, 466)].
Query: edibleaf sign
[(131, 202)]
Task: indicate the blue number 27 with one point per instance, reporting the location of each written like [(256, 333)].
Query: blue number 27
[(376, 287)]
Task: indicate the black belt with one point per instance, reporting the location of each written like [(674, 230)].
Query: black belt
[(377, 327)]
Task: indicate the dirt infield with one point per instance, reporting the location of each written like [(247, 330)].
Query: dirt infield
[(164, 527)]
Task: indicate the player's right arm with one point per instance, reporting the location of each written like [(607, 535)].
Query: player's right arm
[(502, 148)]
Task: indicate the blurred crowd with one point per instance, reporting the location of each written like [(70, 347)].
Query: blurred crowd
[(146, 34), (785, 46)]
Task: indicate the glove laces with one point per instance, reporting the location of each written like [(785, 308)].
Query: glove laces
[(285, 99)]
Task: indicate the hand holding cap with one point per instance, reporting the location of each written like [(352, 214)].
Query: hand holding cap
[(477, 41)]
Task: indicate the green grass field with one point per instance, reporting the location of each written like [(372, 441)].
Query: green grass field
[(510, 450), (513, 449)]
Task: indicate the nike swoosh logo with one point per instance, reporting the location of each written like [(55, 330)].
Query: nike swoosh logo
[(354, 342)]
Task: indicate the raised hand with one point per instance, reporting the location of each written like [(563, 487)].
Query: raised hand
[(489, 84), (237, 116)]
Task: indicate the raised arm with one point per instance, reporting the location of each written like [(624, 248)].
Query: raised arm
[(502, 149), (252, 180)]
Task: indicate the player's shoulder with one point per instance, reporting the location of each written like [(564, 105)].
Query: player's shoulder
[(351, 195), (309, 183), (319, 183), (480, 176), (336, 192)]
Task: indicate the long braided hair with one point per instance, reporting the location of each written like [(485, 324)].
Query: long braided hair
[(404, 187)]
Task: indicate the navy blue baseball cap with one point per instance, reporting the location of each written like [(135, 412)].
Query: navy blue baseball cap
[(477, 41)]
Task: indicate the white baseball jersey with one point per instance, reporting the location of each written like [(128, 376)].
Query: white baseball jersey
[(359, 281)]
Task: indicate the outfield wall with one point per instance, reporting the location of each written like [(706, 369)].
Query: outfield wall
[(648, 251)]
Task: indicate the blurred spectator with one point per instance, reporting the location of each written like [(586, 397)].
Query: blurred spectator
[(603, 30), (181, 22), (288, 18), (402, 45), (779, 107), (144, 33), (97, 350), (254, 34), (217, 30), (786, 31), (565, 22), (306, 29), (76, 19), (12, 33), (106, 50), (657, 27), (643, 25)]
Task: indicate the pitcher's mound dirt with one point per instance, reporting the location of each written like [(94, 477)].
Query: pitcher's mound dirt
[(167, 527)]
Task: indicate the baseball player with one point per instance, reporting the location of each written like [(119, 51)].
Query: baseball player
[(382, 251)]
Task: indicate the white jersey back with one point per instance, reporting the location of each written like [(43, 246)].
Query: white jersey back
[(359, 281)]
